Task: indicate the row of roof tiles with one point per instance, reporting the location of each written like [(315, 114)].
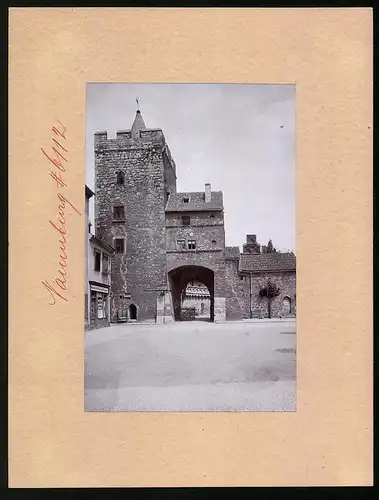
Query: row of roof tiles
[(194, 202), (270, 262), (261, 262)]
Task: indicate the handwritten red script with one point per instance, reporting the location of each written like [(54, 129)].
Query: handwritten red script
[(57, 156)]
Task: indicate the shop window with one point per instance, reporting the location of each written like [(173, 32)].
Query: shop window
[(119, 245), (191, 244), (186, 220), (97, 260), (100, 306), (93, 305)]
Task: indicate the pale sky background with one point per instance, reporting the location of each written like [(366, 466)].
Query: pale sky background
[(238, 137)]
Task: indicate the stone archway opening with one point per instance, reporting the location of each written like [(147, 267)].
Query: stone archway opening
[(286, 306), (132, 312), (195, 301), (179, 279)]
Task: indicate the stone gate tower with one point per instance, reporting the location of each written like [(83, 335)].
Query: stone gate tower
[(134, 176)]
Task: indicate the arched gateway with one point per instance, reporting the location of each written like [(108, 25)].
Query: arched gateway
[(183, 237), (179, 279), (132, 312)]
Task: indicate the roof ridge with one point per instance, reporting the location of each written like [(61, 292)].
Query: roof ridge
[(274, 261)]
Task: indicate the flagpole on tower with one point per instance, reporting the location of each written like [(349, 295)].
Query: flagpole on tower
[(137, 103)]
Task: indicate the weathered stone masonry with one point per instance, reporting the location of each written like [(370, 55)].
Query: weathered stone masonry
[(164, 239), (143, 157)]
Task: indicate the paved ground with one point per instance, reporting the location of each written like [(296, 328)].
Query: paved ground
[(192, 366)]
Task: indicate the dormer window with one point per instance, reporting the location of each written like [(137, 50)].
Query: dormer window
[(186, 199), (120, 178)]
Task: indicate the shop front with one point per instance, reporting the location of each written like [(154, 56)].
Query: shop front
[(100, 306)]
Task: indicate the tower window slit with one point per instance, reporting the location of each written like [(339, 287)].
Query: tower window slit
[(118, 213)]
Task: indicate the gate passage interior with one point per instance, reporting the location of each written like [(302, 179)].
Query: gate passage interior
[(179, 279), (188, 313)]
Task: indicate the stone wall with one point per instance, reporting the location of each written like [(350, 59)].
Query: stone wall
[(209, 235), (205, 230), (165, 308), (141, 268), (286, 281), (169, 173), (151, 260), (237, 292), (198, 219)]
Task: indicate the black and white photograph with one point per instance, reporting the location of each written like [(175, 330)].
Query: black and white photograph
[(190, 248)]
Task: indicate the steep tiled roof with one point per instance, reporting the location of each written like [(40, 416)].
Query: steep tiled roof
[(268, 262), (232, 253), (196, 202), (197, 290)]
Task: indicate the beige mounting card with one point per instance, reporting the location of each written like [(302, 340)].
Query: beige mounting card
[(327, 53)]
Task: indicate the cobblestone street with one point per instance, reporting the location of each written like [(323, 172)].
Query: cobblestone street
[(192, 366)]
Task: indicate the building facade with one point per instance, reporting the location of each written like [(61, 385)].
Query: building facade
[(250, 272), (164, 240), (87, 230), (195, 301), (98, 277)]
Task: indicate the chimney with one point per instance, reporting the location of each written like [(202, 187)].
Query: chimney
[(251, 238), (207, 193)]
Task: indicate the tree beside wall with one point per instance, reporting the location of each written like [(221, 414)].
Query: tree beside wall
[(270, 291)]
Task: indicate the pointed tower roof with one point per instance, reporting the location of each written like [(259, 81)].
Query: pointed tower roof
[(138, 124)]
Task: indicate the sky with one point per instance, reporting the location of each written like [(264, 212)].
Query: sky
[(240, 138)]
